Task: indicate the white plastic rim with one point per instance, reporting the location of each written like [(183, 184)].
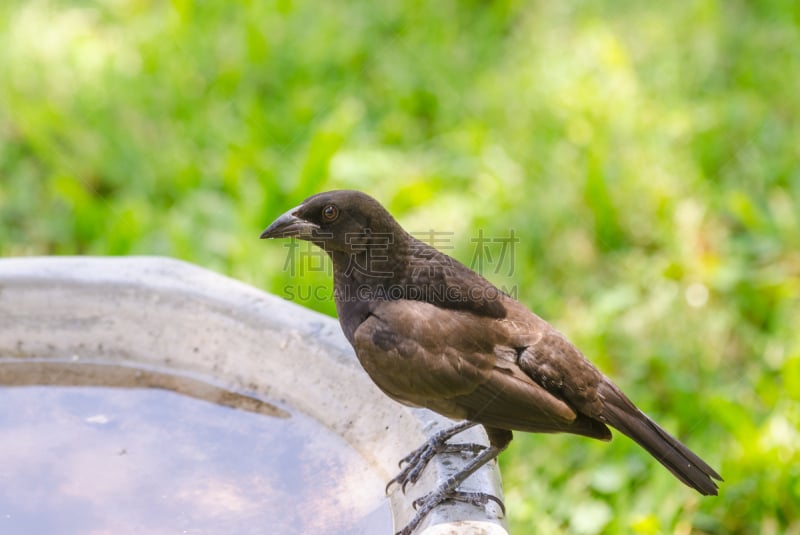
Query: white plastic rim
[(164, 314)]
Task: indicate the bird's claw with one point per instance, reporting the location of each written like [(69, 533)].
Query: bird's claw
[(427, 503), (478, 499), (408, 458), (415, 463), (418, 459), (472, 498)]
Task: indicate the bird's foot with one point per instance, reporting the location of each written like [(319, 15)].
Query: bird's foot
[(447, 489), (472, 498), (416, 461), (427, 503)]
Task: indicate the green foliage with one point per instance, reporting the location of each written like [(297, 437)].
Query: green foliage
[(645, 156)]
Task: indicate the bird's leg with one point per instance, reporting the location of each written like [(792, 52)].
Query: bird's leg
[(447, 491), (416, 461)]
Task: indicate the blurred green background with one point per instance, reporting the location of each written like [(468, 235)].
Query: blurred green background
[(645, 155)]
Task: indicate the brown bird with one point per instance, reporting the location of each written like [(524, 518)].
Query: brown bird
[(432, 333)]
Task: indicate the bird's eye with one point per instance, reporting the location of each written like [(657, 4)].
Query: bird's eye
[(330, 212)]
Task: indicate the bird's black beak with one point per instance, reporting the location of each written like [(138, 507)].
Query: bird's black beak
[(287, 225)]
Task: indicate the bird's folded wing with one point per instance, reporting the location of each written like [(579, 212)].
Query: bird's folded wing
[(509, 399), (455, 362)]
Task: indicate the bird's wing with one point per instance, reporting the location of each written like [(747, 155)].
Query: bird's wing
[(510, 399), (551, 361), (456, 363)]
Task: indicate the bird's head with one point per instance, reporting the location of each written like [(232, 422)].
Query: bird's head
[(343, 220)]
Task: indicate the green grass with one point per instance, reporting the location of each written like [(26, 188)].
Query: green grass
[(646, 156)]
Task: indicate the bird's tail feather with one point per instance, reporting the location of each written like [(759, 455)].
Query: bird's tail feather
[(623, 415)]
